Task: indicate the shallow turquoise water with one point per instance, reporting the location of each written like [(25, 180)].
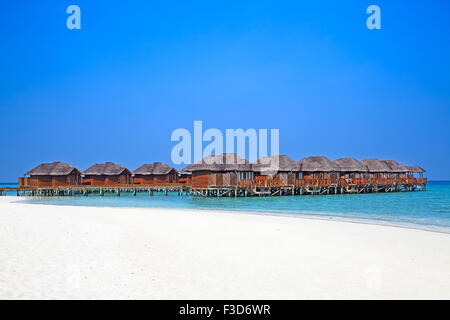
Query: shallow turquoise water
[(430, 208)]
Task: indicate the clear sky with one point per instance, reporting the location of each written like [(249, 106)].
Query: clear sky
[(116, 89)]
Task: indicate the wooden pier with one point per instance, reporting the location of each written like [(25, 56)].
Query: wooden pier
[(100, 190), (247, 188), (312, 187)]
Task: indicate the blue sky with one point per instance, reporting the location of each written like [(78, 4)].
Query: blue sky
[(116, 89)]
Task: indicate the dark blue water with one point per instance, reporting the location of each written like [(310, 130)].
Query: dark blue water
[(430, 208)]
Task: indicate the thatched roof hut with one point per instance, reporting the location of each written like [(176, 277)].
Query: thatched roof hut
[(349, 165), (156, 168), (316, 164), (224, 162), (275, 163), (55, 174), (105, 169), (52, 169), (375, 166), (416, 169), (395, 166)]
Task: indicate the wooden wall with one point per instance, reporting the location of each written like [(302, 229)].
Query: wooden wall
[(72, 179), (169, 178), (279, 180), (40, 181), (124, 178), (200, 179)]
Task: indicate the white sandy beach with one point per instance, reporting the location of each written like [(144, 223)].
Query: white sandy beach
[(55, 252)]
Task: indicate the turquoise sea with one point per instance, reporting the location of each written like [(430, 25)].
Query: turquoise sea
[(425, 209)]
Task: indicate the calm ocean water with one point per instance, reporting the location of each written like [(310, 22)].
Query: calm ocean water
[(429, 209)]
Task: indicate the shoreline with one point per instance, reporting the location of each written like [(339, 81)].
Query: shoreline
[(57, 252), (300, 215)]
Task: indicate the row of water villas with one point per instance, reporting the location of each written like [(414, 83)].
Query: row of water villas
[(228, 175)]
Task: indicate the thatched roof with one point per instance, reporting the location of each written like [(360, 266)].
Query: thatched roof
[(316, 164), (220, 163), (105, 169), (276, 163), (416, 169), (156, 168), (375, 166), (395, 166), (349, 165), (52, 169)]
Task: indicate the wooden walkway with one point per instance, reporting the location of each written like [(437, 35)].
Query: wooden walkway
[(101, 190), (243, 189)]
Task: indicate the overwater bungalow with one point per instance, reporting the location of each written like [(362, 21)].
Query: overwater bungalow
[(228, 175), (277, 170), (397, 170), (155, 173), (318, 168), (106, 174), (350, 169), (376, 169), (222, 170), (55, 174)]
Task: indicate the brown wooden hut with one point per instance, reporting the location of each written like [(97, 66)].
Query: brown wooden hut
[(350, 168), (376, 169), (318, 168), (276, 170), (155, 174), (222, 170), (106, 174), (55, 174), (397, 169)]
